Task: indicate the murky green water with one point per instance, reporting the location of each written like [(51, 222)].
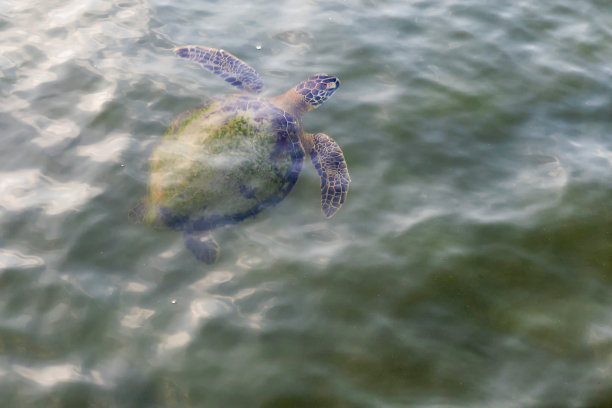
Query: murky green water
[(471, 265)]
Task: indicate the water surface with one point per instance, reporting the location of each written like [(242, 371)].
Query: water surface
[(471, 265)]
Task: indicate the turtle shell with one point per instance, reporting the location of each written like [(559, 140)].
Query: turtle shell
[(222, 163)]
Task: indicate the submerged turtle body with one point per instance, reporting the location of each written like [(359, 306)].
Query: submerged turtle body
[(237, 155), (223, 163)]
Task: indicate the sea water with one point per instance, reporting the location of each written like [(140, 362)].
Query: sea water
[(471, 265)]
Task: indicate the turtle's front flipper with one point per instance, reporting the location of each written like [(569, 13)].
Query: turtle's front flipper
[(329, 161), (202, 245), (224, 64)]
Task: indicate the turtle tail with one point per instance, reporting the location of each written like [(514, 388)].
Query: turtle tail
[(137, 213)]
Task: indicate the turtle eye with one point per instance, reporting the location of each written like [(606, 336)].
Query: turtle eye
[(330, 82)]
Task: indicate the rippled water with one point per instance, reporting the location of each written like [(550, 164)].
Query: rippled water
[(471, 265)]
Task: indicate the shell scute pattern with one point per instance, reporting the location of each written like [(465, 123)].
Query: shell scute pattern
[(261, 160)]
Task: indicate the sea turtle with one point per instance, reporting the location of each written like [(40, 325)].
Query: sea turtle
[(232, 157)]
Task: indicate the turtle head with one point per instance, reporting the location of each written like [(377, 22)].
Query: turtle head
[(316, 90)]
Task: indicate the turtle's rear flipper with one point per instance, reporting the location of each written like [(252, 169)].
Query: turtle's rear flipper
[(222, 63), (328, 159), (202, 246)]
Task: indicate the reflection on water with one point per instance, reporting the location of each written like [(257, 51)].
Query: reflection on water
[(470, 267), (57, 374), (13, 259), (30, 189)]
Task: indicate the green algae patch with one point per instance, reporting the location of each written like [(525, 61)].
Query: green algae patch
[(216, 162), (179, 124), (237, 135)]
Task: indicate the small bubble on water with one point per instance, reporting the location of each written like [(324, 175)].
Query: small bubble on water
[(258, 47), (173, 301)]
